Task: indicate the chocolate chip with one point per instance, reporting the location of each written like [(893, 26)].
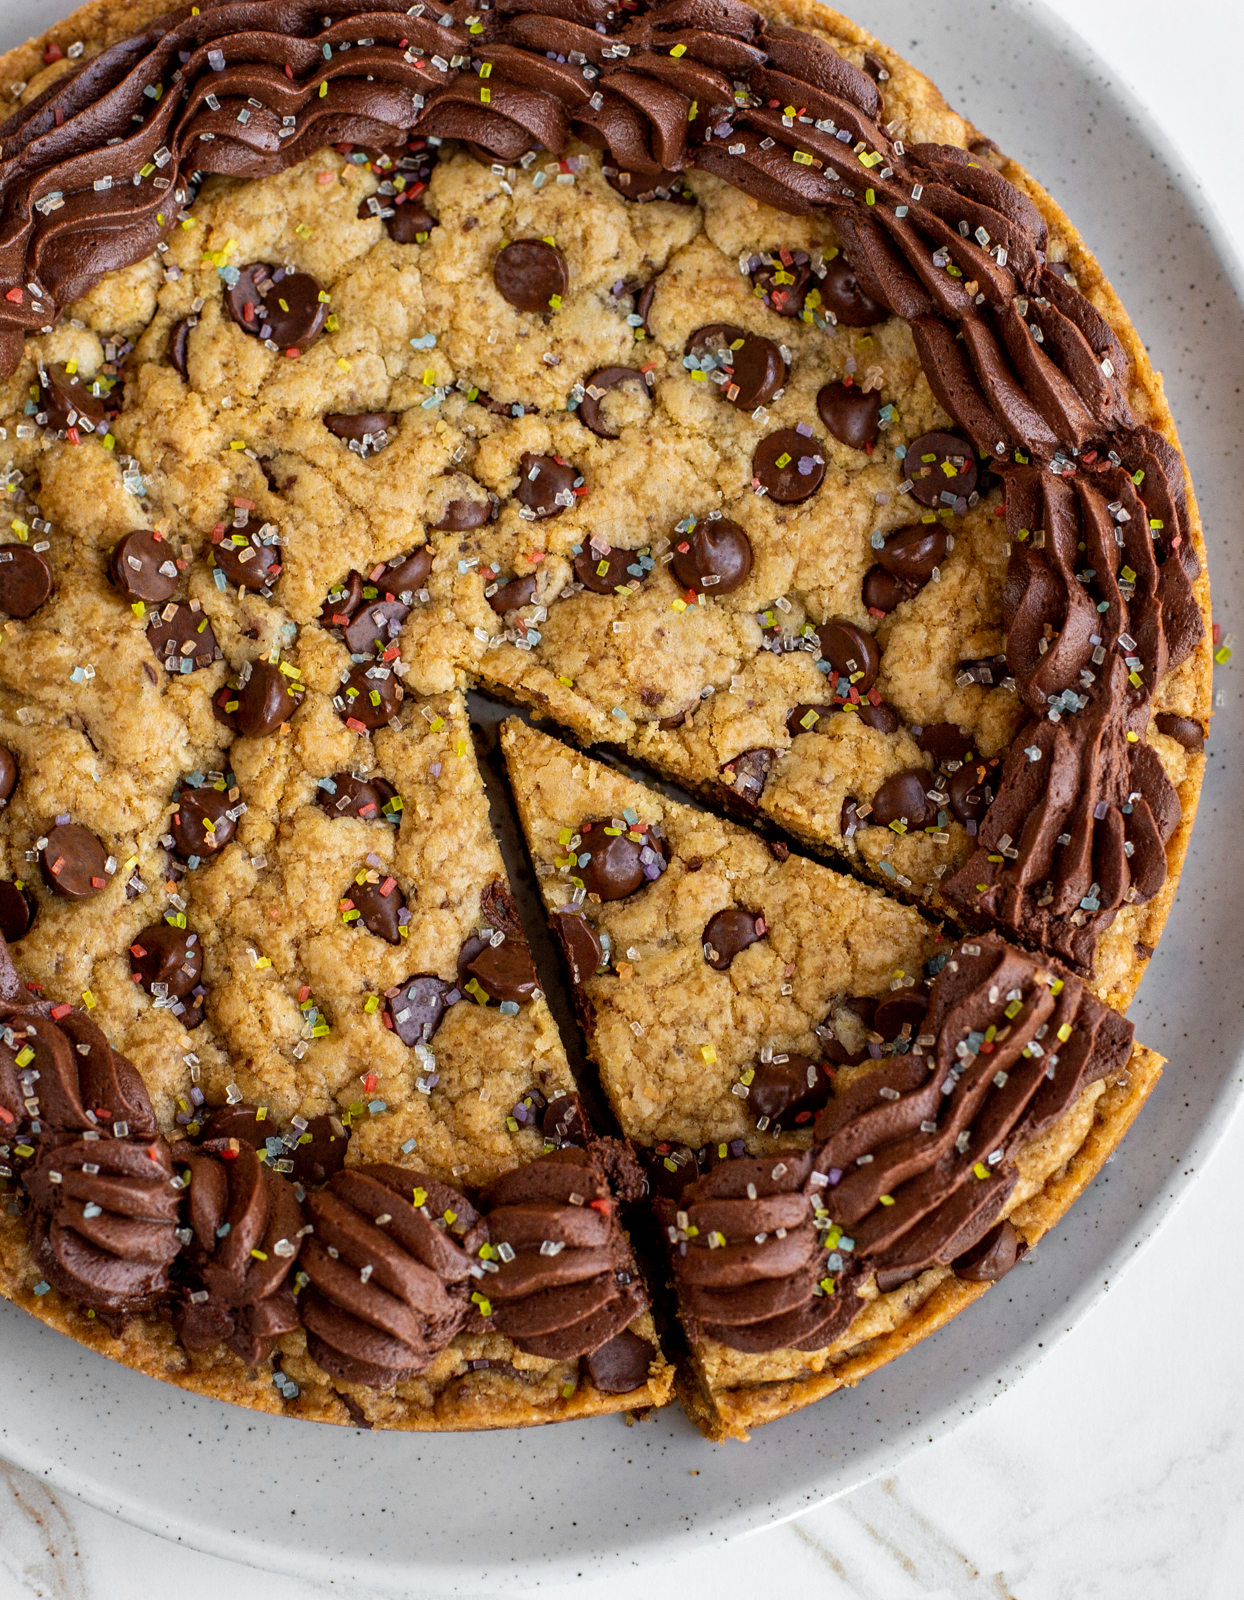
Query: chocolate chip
[(406, 574), (986, 670), (616, 573), (714, 558), (991, 1258), (343, 600), (882, 717), (355, 797), (807, 718), (1184, 731), (135, 567), (318, 1157), (851, 653), (8, 772), (613, 868), (641, 187), (378, 905), (875, 67), (728, 933), (417, 1008), (178, 634), (900, 1011), (883, 592), (902, 798), (68, 401), (541, 479), (265, 701), (530, 274), (580, 945), (788, 1091), (460, 516), (162, 954), (852, 416), (1060, 269), (25, 581), (17, 911), (620, 1365), (375, 625), (179, 344), (849, 817), (747, 774), (73, 862), (505, 971), (913, 552), (841, 294), (285, 307), (373, 701), (944, 742), (410, 223), (969, 798), (359, 425), (755, 365), (565, 1121), (670, 1167), (940, 465), (784, 283), (245, 559), (788, 466), (240, 1122), (518, 592), (603, 379), (499, 910), (188, 825)]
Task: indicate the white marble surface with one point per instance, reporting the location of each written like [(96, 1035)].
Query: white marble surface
[(1116, 1467)]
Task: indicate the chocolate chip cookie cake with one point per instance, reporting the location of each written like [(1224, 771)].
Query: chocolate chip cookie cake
[(692, 377)]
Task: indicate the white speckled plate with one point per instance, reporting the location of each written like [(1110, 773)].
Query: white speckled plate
[(516, 1509)]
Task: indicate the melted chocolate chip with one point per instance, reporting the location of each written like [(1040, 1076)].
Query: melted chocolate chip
[(373, 701), (728, 933), (162, 954), (265, 701), (747, 774), (944, 742), (178, 634), (505, 971), (991, 1257), (580, 945), (135, 567), (460, 516), (378, 905), (499, 909), (196, 808), (853, 417), (613, 868), (417, 1008), (852, 653), (530, 274), (784, 284), (68, 401), (407, 574), (565, 1121), (882, 717), (179, 344), (884, 592), (8, 772), (940, 464), (755, 365), (245, 559), (17, 911), (241, 1122), (806, 718), (790, 1091), (714, 558), (603, 379), (841, 294), (25, 581), (902, 798), (620, 1365), (374, 626), (541, 479), (788, 466), (969, 796), (616, 574), (518, 592), (357, 797), (359, 425), (410, 223), (73, 862), (641, 187), (900, 1011), (321, 1149), (290, 312), (913, 552), (1184, 731), (343, 600)]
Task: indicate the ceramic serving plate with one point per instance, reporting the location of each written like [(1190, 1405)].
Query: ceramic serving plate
[(509, 1510)]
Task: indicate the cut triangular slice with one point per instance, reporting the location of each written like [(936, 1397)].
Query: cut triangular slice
[(852, 1125)]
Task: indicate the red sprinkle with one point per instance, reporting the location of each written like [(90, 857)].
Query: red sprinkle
[(60, 1011)]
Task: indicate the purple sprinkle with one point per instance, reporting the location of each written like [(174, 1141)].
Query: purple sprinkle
[(435, 769), (182, 1118), (196, 1096), (1099, 811), (874, 1051), (835, 1176), (453, 997), (278, 275), (63, 820), (619, 289), (651, 871), (970, 827), (804, 428), (519, 1113), (806, 463), (723, 130)]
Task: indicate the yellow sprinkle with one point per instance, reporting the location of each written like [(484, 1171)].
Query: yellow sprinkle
[(485, 94), (678, 50), (88, 999), (981, 1170), (1064, 1033), (343, 363), (678, 605), (709, 1054), (323, 90), (237, 444)]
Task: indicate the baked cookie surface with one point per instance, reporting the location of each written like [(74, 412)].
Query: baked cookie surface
[(663, 431)]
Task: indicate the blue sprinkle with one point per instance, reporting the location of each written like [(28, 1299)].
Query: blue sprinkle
[(509, 1008), (377, 1106), (411, 1144), (425, 341), (42, 1288)]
